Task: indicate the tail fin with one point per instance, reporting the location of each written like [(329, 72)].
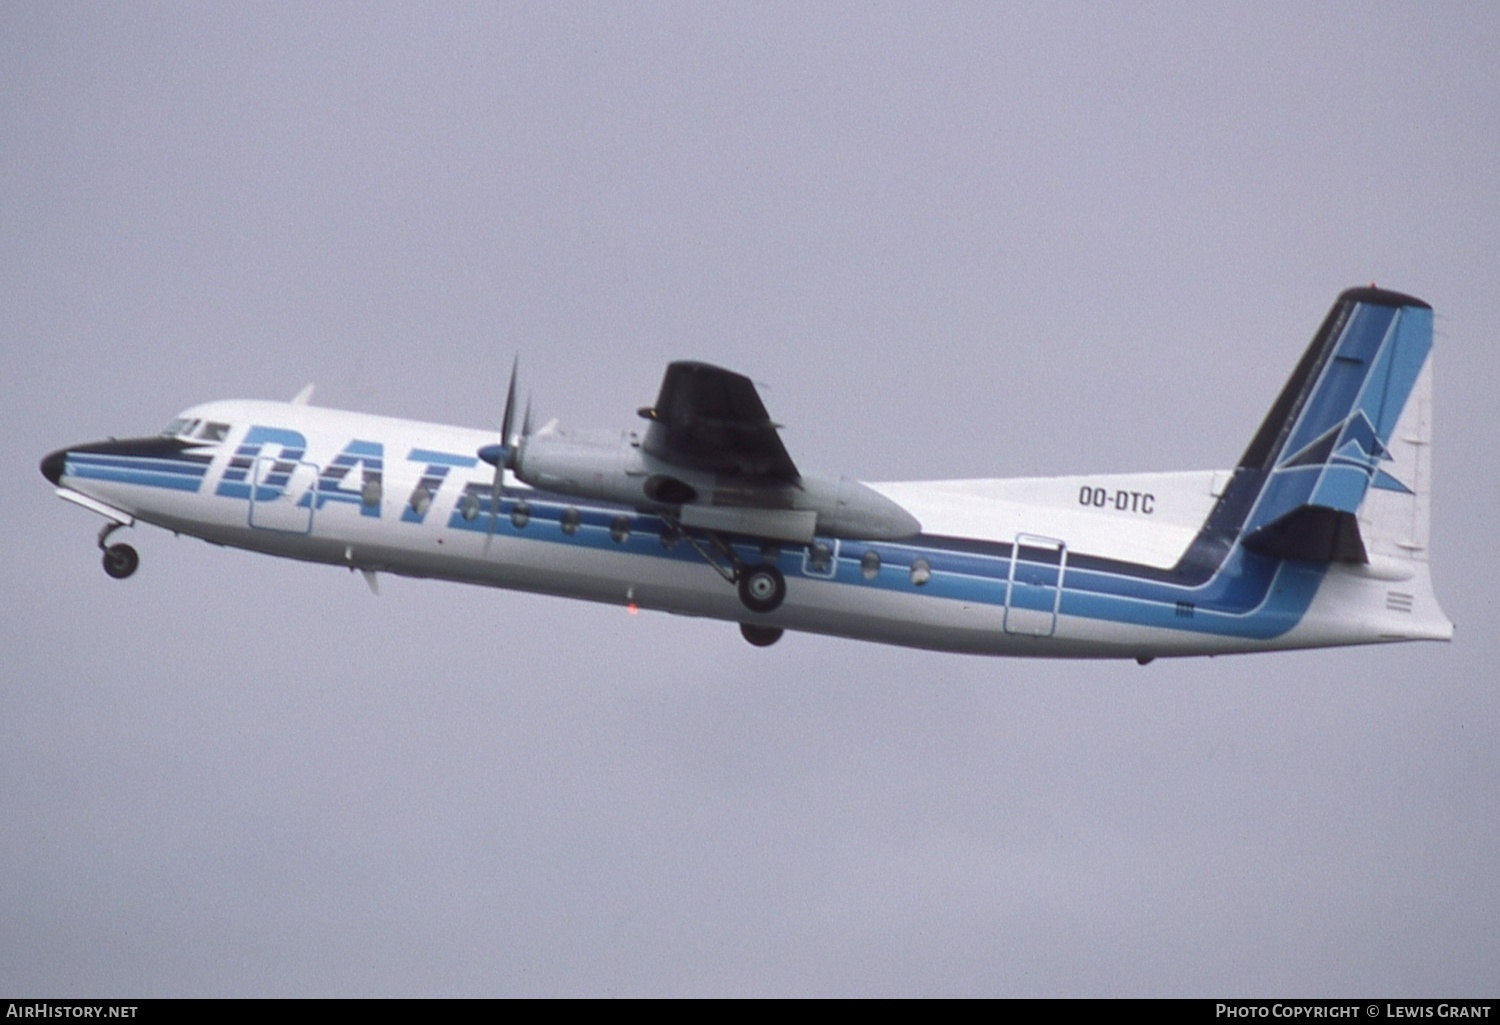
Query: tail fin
[(1353, 422), (1340, 473)]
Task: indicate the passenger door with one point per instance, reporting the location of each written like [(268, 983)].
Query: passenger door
[(1034, 585)]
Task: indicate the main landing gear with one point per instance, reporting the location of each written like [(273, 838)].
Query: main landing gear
[(120, 560), (760, 636), (761, 586)]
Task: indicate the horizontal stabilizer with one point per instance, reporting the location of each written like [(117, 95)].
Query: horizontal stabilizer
[(1312, 533)]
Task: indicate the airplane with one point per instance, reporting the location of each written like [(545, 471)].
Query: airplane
[(1317, 537)]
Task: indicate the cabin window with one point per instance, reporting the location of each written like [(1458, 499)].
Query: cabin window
[(921, 572), (371, 492), (869, 564), (619, 529), (569, 521), (468, 507), (520, 514), (421, 500)]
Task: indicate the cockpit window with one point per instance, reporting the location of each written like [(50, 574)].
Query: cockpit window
[(199, 430)]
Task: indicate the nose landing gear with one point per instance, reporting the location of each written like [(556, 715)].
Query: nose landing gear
[(120, 560)]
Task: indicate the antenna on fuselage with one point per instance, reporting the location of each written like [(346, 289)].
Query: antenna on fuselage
[(304, 396)]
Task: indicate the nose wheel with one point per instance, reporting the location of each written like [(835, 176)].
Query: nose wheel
[(120, 560)]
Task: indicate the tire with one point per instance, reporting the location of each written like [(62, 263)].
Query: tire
[(120, 561), (760, 636), (762, 588)]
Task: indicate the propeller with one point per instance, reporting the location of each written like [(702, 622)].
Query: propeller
[(504, 455)]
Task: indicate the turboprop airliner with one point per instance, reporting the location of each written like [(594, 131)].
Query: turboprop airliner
[(1318, 536)]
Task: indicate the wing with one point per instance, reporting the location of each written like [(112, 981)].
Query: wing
[(710, 419)]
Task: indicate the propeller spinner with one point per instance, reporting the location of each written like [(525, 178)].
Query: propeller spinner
[(504, 455)]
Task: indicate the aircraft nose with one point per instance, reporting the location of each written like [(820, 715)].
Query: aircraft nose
[(52, 466)]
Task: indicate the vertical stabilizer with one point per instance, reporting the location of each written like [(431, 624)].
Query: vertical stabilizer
[(1331, 437), (1341, 470)]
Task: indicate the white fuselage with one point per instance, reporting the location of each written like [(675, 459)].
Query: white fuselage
[(1055, 567)]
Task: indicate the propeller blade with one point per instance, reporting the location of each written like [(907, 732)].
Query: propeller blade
[(507, 421), (502, 455)]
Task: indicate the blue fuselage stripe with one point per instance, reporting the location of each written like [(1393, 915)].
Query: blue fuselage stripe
[(1250, 596)]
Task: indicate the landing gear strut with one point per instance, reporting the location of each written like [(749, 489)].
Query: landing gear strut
[(120, 560), (762, 588)]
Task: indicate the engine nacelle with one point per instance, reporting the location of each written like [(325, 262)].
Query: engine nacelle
[(610, 466), (606, 465), (848, 509)]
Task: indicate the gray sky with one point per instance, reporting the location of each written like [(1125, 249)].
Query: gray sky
[(951, 241)]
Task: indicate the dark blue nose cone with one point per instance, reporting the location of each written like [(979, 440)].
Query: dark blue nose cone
[(52, 466)]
